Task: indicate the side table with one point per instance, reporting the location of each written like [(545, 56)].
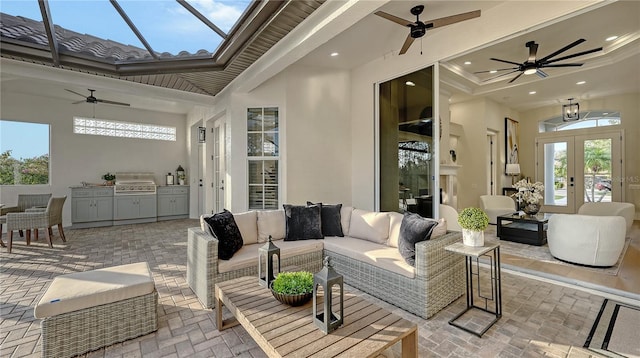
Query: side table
[(472, 254)]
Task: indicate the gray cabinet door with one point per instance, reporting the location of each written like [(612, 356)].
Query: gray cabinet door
[(103, 208), (125, 207), (82, 210), (165, 205), (147, 206), (181, 204)]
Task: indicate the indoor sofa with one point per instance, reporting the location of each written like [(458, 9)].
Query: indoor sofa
[(367, 256)]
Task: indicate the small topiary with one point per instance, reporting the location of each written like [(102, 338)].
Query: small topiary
[(473, 219), (293, 283)]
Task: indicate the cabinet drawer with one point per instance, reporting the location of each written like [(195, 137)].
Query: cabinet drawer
[(181, 190), (82, 193), (103, 192), (169, 190)]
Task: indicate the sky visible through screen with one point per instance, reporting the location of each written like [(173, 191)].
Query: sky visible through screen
[(25, 140), (165, 24)]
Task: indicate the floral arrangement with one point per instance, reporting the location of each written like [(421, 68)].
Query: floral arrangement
[(528, 193), (473, 219)]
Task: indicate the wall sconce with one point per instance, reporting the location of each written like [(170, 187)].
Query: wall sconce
[(266, 272), (327, 320), (202, 133), (571, 111)]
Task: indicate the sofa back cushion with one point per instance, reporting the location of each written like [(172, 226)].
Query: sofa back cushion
[(247, 223), (395, 220), (369, 225), (271, 222), (345, 219)]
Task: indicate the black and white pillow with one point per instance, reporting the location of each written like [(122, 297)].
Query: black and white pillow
[(302, 222), (330, 219), (223, 226), (413, 229)]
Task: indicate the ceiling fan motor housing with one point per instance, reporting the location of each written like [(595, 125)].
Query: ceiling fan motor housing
[(418, 31)]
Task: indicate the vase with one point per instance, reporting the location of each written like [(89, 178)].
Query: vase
[(472, 238), (531, 208), (292, 299)]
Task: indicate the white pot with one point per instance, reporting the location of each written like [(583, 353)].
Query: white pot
[(472, 238)]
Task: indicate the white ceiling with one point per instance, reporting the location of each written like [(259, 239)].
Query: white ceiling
[(614, 70)]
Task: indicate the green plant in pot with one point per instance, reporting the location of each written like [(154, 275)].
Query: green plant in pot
[(473, 222), (109, 178), (293, 288)]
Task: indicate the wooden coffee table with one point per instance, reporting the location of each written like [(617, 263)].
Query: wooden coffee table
[(285, 331)]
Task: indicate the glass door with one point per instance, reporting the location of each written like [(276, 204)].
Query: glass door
[(579, 169), (219, 169)]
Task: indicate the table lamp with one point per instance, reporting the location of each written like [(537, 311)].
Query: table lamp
[(513, 170)]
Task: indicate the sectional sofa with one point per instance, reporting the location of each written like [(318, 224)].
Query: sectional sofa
[(367, 257)]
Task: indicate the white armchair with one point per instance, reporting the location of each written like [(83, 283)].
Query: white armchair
[(586, 239), (496, 205), (626, 210), (450, 214)]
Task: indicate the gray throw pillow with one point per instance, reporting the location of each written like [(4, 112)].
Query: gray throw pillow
[(302, 222), (413, 229), (223, 226), (330, 219)]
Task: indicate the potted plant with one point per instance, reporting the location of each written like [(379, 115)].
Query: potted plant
[(293, 288), (473, 222), (109, 178)]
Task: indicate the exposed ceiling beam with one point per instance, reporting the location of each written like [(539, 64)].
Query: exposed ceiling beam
[(133, 27), (202, 18), (50, 29)]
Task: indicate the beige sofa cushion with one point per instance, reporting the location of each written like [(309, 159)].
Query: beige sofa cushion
[(345, 219), (379, 255), (369, 225), (247, 256), (271, 222), (247, 223), (395, 220), (80, 290)]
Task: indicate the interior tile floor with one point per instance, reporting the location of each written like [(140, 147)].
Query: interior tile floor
[(540, 318)]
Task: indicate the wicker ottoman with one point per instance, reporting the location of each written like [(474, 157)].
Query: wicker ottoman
[(89, 310)]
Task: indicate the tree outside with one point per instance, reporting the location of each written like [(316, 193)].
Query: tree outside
[(29, 171)]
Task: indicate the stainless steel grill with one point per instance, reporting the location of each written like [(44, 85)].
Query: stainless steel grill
[(135, 184)]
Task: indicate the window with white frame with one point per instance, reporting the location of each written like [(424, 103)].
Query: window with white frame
[(24, 153), (109, 128), (263, 157)]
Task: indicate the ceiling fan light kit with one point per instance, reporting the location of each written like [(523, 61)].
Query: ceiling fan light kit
[(534, 65), (418, 28)]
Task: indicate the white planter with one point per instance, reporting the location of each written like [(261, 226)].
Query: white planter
[(472, 238)]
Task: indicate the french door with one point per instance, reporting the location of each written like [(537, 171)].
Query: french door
[(578, 169), (219, 169)]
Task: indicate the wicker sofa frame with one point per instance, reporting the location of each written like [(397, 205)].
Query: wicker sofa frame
[(73, 333), (439, 278)]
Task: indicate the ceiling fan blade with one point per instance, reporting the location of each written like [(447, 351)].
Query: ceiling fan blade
[(499, 69), (77, 102), (74, 92), (575, 55), (407, 44), (505, 61), (112, 102), (498, 76), (564, 65), (397, 20), (515, 78), (448, 20), (573, 44), (533, 51), (541, 73)]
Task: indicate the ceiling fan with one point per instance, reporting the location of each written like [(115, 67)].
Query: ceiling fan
[(92, 99), (419, 28), (533, 65)]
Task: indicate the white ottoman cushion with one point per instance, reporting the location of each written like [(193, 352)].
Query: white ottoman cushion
[(76, 291)]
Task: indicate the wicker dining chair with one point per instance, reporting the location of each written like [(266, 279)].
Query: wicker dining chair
[(29, 220), (25, 202)]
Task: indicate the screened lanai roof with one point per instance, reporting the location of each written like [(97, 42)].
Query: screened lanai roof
[(191, 45)]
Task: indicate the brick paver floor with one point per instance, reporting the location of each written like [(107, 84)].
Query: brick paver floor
[(540, 319)]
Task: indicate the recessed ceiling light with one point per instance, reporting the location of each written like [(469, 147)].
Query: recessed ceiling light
[(467, 62), (581, 82), (611, 38), (493, 71), (334, 54), (410, 83), (532, 92)]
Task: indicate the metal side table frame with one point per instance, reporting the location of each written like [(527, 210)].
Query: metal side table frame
[(472, 256)]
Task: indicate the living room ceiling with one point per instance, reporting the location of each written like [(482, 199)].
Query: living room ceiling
[(611, 71)]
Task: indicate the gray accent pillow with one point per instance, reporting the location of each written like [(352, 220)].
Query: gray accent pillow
[(330, 219), (413, 229), (302, 222), (223, 226)]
